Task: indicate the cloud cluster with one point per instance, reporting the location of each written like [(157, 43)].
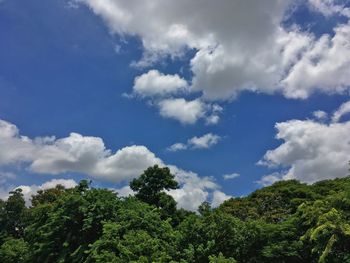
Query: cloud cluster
[(88, 155), (240, 45), (75, 153), (193, 191), (344, 109), (330, 7), (203, 142), (161, 90), (29, 190), (311, 150), (154, 83)]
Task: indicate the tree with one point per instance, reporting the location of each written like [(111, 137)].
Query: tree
[(47, 195), (13, 215), (14, 251), (221, 259), (150, 186), (63, 230)]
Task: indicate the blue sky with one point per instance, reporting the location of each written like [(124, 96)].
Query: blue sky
[(72, 66)]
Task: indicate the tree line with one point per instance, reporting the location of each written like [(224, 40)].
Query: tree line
[(286, 222)]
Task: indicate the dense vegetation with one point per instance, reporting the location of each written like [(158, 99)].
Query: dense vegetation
[(286, 222)]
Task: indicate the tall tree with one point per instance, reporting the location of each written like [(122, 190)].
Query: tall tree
[(150, 186)]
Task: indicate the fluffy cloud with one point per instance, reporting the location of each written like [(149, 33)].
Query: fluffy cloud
[(324, 66), (75, 153), (218, 198), (240, 45), (311, 150), (320, 115), (29, 190), (193, 191), (88, 155), (231, 176), (154, 83), (269, 179), (329, 7), (188, 112), (343, 110), (177, 147), (204, 142)]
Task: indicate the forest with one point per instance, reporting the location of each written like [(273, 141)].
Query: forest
[(288, 221)]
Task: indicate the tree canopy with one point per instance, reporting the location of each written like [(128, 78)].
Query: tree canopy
[(286, 222)]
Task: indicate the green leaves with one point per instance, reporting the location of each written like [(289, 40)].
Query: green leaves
[(150, 187), (287, 222)]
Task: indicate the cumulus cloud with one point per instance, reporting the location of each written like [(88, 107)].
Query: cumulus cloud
[(239, 45), (187, 112), (75, 153), (194, 190), (270, 179), (203, 142), (206, 141), (323, 67), (329, 7), (177, 147), (320, 115), (310, 150), (29, 190), (88, 155), (154, 83), (124, 191), (231, 176), (218, 198), (343, 110)]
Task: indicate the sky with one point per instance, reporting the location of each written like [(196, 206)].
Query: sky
[(231, 95)]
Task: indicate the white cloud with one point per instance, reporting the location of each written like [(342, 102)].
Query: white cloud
[(240, 45), (154, 83), (177, 147), (124, 191), (88, 155), (206, 141), (194, 190), (323, 67), (270, 179), (329, 7), (218, 198), (187, 112), (29, 190), (320, 115), (311, 150), (75, 153), (231, 176), (203, 142), (343, 110)]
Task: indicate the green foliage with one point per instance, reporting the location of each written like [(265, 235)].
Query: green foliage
[(14, 251), (13, 215), (48, 195), (221, 259), (150, 186), (288, 222)]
